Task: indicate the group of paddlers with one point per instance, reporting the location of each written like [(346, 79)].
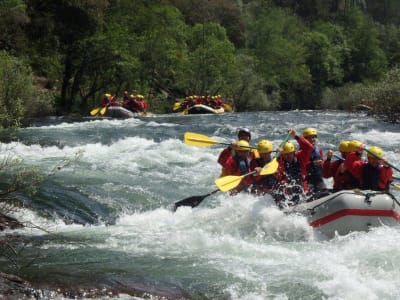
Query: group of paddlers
[(211, 101), (301, 171), (134, 103)]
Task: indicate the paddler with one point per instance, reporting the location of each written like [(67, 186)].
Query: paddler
[(244, 135), (373, 173), (239, 164), (262, 184), (292, 171)]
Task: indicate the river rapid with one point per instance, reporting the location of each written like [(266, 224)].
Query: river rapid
[(109, 220)]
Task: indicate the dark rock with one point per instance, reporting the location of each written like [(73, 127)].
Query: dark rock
[(7, 222)]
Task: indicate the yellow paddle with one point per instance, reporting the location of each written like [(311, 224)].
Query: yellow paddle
[(95, 111), (227, 183), (227, 107), (103, 110), (177, 105), (201, 140)]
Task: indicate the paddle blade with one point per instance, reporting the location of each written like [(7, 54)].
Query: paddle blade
[(396, 186), (270, 168), (228, 183), (227, 107), (177, 105), (199, 140), (95, 111), (103, 110), (192, 201)]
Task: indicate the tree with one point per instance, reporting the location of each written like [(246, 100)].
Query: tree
[(211, 60), (276, 41), (57, 29), (13, 18), (15, 89), (367, 60)]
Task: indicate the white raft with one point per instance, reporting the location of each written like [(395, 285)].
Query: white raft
[(118, 112), (347, 211), (203, 109)]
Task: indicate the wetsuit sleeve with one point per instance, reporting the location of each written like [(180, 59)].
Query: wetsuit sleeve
[(306, 149), (329, 168), (354, 165), (385, 177), (224, 155)]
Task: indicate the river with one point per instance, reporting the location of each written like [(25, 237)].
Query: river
[(109, 220)]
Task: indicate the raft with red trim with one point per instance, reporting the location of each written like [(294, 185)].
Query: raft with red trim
[(347, 211)]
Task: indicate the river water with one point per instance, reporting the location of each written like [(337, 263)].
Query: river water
[(109, 216)]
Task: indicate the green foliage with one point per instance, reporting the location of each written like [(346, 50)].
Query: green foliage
[(211, 60), (12, 19), (390, 37), (261, 55), (15, 89), (277, 43), (367, 60), (248, 89), (346, 97), (386, 97)]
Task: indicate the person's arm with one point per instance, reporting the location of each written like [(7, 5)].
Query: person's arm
[(224, 155), (328, 167)]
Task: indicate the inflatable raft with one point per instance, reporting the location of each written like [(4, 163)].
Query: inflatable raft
[(347, 211), (203, 109), (118, 112)]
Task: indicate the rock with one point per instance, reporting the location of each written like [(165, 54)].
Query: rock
[(7, 222)]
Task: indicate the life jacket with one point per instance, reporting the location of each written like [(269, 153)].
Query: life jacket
[(370, 178), (314, 173), (344, 181), (264, 183), (293, 171), (243, 165)]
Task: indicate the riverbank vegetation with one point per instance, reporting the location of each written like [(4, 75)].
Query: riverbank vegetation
[(60, 57)]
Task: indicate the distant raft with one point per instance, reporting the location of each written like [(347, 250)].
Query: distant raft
[(203, 109), (348, 211), (119, 112)]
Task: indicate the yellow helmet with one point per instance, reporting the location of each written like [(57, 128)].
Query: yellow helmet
[(376, 152), (243, 145), (264, 146), (107, 95), (344, 146), (354, 145), (310, 132), (288, 148)]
